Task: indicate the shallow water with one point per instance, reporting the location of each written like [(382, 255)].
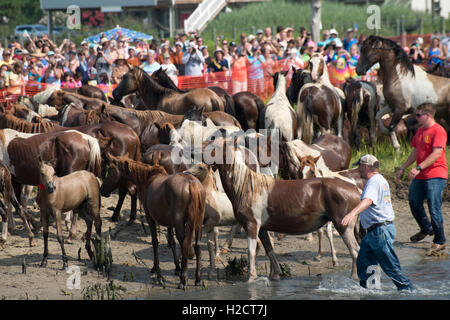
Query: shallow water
[(430, 277)]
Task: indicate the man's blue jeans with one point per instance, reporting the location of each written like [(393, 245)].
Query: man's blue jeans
[(431, 190), (377, 248)]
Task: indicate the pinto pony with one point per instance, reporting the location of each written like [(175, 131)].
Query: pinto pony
[(262, 203)]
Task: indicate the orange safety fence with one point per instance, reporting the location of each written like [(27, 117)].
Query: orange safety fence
[(261, 86)]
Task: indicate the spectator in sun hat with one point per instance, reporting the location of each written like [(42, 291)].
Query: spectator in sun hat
[(72, 63), (7, 58), (193, 60), (133, 59), (119, 69), (92, 80), (334, 36), (218, 63), (176, 56), (164, 49), (169, 68), (150, 64)]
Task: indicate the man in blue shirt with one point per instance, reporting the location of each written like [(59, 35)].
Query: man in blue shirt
[(377, 218), (350, 40)]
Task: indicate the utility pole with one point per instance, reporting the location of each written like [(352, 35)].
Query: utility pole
[(316, 21)]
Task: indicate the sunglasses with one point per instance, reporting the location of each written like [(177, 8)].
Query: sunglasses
[(418, 115)]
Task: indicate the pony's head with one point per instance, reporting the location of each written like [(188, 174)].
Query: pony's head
[(316, 66), (127, 85), (46, 173)]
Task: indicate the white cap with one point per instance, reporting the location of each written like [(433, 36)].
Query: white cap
[(369, 160), (333, 31)]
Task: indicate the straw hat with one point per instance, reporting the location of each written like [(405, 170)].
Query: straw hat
[(103, 40)]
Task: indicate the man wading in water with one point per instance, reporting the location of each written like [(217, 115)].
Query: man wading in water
[(377, 218)]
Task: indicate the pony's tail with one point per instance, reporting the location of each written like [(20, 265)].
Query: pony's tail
[(194, 214), (305, 130), (229, 105), (95, 156), (261, 106), (356, 108)]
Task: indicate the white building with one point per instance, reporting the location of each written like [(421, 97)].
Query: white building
[(425, 6)]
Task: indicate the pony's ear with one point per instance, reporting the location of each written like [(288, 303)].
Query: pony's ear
[(127, 155), (316, 159), (60, 93), (157, 125), (294, 69), (39, 158), (284, 73)]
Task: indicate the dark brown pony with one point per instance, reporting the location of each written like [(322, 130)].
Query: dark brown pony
[(163, 79), (175, 201), (405, 85), (249, 107), (162, 154), (60, 98), (88, 91), (157, 97), (262, 204), (318, 104), (219, 118), (299, 79), (113, 137)]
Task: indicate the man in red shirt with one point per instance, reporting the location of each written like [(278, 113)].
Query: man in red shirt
[(429, 177)]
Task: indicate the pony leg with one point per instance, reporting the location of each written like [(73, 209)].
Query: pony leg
[(116, 215), (252, 238), (320, 236), (133, 209), (172, 245), (198, 255), (4, 216), (152, 225), (394, 140), (350, 241), (268, 246), (211, 239), (329, 232), (45, 223), (309, 237), (60, 237), (234, 229)]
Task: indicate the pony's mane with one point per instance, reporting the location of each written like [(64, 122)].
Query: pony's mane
[(148, 81), (21, 125), (165, 81), (141, 172), (386, 44), (247, 184), (151, 115)]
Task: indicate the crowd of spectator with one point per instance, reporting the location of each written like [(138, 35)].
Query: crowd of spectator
[(246, 65)]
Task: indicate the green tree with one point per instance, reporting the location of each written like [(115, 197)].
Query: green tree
[(21, 11)]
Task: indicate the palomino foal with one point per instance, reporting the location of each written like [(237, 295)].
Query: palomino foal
[(78, 191)]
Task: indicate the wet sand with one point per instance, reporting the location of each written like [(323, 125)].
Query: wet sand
[(133, 258)]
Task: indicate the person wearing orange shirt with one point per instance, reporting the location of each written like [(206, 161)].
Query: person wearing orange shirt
[(133, 60), (239, 72)]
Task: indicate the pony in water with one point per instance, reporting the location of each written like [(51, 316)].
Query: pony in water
[(405, 85), (279, 113), (174, 201), (78, 191), (157, 97), (262, 203)]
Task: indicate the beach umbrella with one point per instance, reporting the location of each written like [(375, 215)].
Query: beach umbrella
[(116, 32)]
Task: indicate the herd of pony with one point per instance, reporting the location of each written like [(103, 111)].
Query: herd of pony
[(151, 141)]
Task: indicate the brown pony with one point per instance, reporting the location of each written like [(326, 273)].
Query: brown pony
[(157, 97), (88, 91), (60, 98), (161, 154), (249, 107), (114, 137), (163, 79), (405, 85), (77, 191), (262, 203), (361, 106), (175, 201)]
